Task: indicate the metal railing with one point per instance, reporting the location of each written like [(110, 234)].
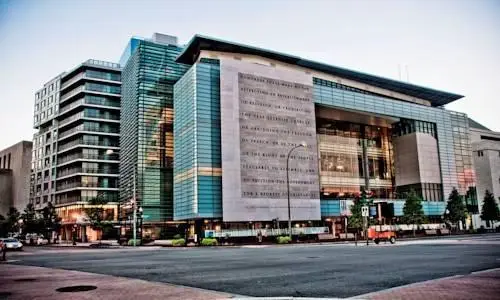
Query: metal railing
[(83, 142), (65, 159), (265, 232)]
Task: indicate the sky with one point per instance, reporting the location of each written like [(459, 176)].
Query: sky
[(450, 45)]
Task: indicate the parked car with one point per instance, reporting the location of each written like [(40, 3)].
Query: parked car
[(12, 244)]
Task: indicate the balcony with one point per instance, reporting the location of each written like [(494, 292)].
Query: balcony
[(83, 128), (81, 156), (72, 80), (83, 142), (71, 94), (92, 101), (71, 119), (74, 171), (78, 185)]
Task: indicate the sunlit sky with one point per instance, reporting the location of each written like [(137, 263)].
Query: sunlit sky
[(447, 45)]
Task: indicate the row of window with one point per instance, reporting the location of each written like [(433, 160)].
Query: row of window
[(480, 153), (6, 161), (46, 90)]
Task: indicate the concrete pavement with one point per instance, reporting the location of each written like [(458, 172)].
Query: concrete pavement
[(477, 285), (323, 270), (25, 282)]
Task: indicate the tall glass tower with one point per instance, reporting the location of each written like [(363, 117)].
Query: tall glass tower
[(149, 74)]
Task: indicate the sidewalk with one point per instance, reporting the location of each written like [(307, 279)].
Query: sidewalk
[(477, 285), (24, 282)]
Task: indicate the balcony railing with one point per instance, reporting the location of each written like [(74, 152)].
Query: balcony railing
[(71, 118), (71, 93), (265, 232), (92, 100), (82, 128), (71, 106), (78, 184), (65, 159), (72, 80), (81, 141), (66, 172)]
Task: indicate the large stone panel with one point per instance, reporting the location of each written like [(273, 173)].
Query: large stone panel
[(265, 112)]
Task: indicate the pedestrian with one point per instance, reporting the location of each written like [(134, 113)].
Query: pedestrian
[(3, 248), (259, 236)]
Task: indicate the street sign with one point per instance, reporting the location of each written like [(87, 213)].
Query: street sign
[(364, 211)]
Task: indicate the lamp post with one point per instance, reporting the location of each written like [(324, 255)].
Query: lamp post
[(288, 187)]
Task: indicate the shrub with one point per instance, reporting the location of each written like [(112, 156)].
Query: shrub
[(131, 242), (209, 242), (177, 237), (283, 239), (178, 242)]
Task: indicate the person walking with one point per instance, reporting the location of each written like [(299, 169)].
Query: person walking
[(3, 248)]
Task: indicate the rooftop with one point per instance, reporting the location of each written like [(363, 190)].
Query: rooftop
[(199, 42)]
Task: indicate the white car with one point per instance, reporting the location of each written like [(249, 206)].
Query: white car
[(41, 241), (12, 244)]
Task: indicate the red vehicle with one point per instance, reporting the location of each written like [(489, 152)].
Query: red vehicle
[(378, 235)]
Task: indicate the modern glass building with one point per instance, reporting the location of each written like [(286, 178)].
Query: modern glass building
[(240, 109), (147, 139)]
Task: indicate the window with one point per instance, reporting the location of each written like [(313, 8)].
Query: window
[(480, 153), (8, 164)]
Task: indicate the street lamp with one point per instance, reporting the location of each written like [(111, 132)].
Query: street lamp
[(288, 187)]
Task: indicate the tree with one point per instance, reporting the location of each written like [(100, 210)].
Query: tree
[(13, 217), (96, 214), (51, 221), (355, 220), (489, 211), (31, 223), (413, 212), (455, 209)]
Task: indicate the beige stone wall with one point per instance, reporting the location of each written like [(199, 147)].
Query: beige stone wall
[(416, 159), (253, 157)]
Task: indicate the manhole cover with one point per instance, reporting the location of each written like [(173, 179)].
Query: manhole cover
[(313, 257), (76, 288), (25, 279)]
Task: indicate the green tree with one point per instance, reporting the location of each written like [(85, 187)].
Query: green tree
[(96, 214), (51, 221), (13, 217), (455, 208), (413, 212), (31, 223), (355, 220), (489, 211)]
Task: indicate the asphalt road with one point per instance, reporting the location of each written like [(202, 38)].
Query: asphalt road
[(301, 271)]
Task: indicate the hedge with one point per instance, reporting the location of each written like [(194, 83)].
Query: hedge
[(283, 239), (131, 242), (209, 242), (178, 242)]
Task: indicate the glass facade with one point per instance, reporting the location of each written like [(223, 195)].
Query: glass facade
[(463, 157), (197, 146), (147, 127), (350, 100), (352, 154)]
